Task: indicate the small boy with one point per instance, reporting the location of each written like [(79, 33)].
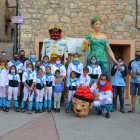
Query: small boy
[(57, 91), (85, 78), (72, 85)]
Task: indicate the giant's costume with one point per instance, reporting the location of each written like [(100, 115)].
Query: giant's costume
[(55, 46), (82, 101), (97, 48)]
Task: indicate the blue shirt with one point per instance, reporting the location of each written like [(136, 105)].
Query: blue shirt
[(58, 87), (118, 76), (133, 65)]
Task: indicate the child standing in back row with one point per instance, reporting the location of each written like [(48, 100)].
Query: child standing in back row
[(58, 88)]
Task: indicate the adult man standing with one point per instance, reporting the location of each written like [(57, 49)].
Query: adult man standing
[(22, 59), (33, 59), (134, 72), (118, 72), (3, 55)]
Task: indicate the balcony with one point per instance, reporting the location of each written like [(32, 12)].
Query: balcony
[(8, 14)]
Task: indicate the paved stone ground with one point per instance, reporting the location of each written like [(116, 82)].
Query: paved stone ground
[(8, 47), (13, 120), (70, 127), (119, 127), (42, 128)]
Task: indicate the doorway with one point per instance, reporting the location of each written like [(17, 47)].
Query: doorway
[(125, 48)]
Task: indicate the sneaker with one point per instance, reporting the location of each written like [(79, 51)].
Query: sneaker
[(113, 109), (99, 112), (49, 111), (17, 110), (58, 110), (36, 111), (40, 111), (54, 110), (107, 115), (29, 112), (67, 110), (122, 110), (22, 110), (4, 109), (7, 110)]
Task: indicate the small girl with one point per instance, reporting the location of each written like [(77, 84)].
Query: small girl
[(28, 79), (40, 90), (72, 86), (13, 86), (50, 82), (4, 70), (94, 70), (45, 62), (25, 68), (58, 88), (36, 67)]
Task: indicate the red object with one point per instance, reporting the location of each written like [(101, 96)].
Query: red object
[(84, 92), (106, 87), (55, 33)]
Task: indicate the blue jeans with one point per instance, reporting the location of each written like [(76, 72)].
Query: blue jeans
[(133, 87), (121, 96)]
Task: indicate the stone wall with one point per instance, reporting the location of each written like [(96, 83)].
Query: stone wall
[(3, 37), (74, 16)]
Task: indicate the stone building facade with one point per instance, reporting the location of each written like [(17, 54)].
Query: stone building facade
[(6, 27), (118, 19)]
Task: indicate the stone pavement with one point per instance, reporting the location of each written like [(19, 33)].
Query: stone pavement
[(70, 127), (119, 127), (8, 47)]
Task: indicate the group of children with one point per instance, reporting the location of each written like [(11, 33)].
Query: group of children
[(39, 84), (43, 80)]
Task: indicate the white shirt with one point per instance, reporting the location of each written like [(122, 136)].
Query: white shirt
[(102, 95), (32, 76), (25, 65), (73, 67), (44, 69), (43, 79), (75, 84), (10, 77), (96, 70), (51, 79), (62, 70), (85, 80), (3, 77), (18, 67)]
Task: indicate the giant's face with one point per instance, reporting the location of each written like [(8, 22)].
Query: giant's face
[(55, 33), (81, 108)]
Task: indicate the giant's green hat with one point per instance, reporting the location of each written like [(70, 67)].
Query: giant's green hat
[(93, 19)]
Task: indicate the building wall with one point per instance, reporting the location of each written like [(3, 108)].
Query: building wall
[(3, 37), (118, 17)]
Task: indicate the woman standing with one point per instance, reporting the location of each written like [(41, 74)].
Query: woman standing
[(97, 43)]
